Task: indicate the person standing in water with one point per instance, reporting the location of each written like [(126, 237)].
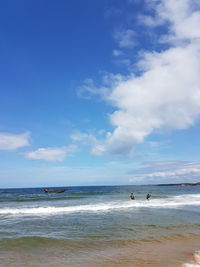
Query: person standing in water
[(148, 196), (132, 196)]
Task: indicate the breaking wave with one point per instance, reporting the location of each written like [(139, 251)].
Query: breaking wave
[(171, 202)]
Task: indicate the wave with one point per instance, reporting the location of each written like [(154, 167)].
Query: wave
[(27, 242), (35, 240), (47, 197), (172, 202)]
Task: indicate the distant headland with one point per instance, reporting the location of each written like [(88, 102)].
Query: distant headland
[(180, 184)]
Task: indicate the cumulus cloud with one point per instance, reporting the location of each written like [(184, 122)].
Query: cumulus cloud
[(164, 90), (10, 141), (167, 94), (51, 153), (183, 16)]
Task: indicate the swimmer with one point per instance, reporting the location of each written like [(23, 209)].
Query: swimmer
[(132, 196), (148, 196)]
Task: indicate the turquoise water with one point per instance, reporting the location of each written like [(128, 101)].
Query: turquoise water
[(94, 217)]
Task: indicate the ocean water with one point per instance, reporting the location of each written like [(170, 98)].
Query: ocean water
[(99, 224)]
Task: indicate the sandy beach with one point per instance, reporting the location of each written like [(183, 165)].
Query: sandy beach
[(167, 252)]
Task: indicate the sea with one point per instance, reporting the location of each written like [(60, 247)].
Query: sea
[(100, 226)]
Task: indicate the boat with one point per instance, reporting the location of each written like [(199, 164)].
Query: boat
[(46, 190)]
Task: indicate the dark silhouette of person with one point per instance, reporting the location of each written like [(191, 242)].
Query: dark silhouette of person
[(132, 196), (148, 196)]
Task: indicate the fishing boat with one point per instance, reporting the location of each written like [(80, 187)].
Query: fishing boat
[(46, 190)]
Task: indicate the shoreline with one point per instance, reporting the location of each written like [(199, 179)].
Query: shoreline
[(100, 227), (171, 251)]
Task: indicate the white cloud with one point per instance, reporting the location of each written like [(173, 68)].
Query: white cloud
[(89, 88), (166, 92), (83, 137), (167, 172), (176, 173), (10, 141), (51, 153), (125, 38), (183, 16), (90, 139), (149, 20)]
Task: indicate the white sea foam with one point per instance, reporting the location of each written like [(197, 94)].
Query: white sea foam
[(171, 202), (196, 260), (191, 265)]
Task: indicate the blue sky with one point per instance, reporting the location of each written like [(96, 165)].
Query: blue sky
[(99, 92)]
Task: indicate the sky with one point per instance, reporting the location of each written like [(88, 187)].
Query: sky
[(99, 92)]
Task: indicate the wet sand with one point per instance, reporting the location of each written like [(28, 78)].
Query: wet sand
[(167, 252)]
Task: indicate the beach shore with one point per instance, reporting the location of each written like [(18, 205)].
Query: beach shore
[(100, 226), (172, 251)]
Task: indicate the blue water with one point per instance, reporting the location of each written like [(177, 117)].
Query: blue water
[(95, 216)]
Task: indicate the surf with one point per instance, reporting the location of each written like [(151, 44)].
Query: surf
[(99, 207)]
